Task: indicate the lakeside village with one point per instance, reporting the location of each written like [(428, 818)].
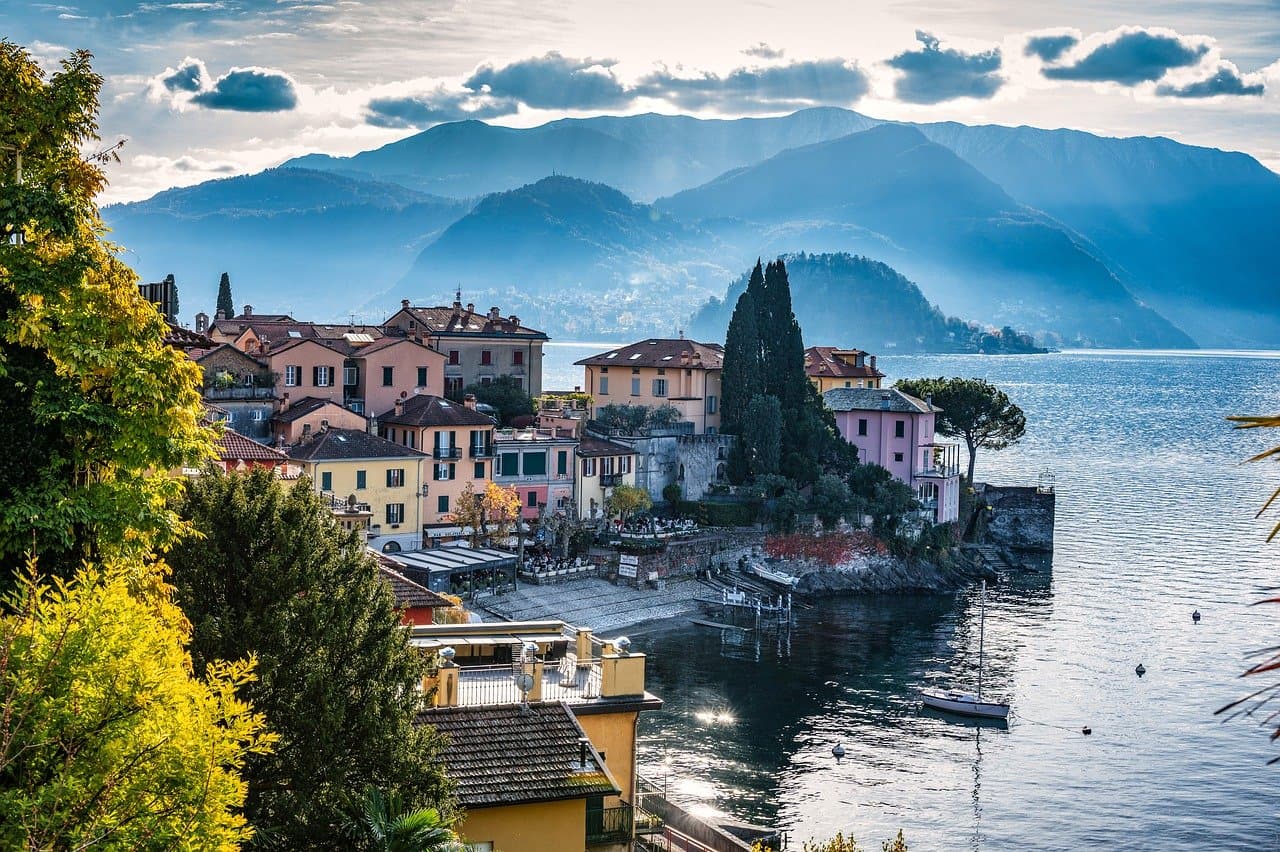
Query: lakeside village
[(516, 523)]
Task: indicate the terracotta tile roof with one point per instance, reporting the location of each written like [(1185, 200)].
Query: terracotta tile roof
[(304, 406), (875, 399), (457, 321), (660, 352), (233, 447), (340, 444), (186, 339), (590, 446), (427, 410), (228, 349), (505, 755), (409, 593), (821, 361)]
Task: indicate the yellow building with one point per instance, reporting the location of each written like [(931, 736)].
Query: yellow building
[(380, 480), (459, 442), (602, 466), (561, 775), (828, 367), (655, 372)]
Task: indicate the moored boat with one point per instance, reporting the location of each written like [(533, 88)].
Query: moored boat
[(962, 703)]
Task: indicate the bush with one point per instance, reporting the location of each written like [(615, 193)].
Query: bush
[(715, 514), (672, 493)]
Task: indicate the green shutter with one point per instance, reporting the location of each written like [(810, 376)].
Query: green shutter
[(326, 481), (442, 503), (510, 464), (535, 464), (562, 462), (360, 479)]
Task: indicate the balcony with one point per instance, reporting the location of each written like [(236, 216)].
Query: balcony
[(609, 480), (610, 825), (563, 681), (238, 392), (446, 453), (482, 452)]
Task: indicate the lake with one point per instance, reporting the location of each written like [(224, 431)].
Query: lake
[(1155, 518)]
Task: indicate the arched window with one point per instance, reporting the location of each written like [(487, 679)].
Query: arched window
[(391, 547), (720, 472)]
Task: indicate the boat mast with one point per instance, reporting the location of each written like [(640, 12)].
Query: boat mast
[(982, 629)]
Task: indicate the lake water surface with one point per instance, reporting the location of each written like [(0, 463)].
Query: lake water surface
[(1154, 519)]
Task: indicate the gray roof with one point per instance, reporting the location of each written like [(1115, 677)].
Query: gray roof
[(339, 444), (505, 755), (426, 410), (873, 399)]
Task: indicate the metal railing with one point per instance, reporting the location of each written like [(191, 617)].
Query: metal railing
[(446, 453), (609, 825), (238, 393), (562, 680), (482, 452)]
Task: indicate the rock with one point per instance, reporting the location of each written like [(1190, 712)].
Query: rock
[(885, 575)]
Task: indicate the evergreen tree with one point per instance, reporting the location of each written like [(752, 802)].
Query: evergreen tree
[(761, 439), (742, 378), (277, 578), (225, 304)]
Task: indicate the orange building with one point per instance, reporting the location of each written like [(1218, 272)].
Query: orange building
[(828, 368)]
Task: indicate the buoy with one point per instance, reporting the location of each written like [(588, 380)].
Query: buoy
[(1141, 670), (837, 751), (1086, 730), (1195, 616), (831, 683)]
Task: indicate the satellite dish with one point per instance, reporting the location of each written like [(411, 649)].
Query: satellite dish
[(524, 682)]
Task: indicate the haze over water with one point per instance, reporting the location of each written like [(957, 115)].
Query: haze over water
[(1154, 519)]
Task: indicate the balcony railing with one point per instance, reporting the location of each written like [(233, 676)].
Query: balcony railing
[(608, 480), (446, 453), (610, 825), (238, 393), (562, 680), (482, 452)]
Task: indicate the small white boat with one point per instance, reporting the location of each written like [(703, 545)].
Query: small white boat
[(961, 703), (775, 576)]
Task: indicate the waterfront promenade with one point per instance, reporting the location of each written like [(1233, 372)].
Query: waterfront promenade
[(595, 602)]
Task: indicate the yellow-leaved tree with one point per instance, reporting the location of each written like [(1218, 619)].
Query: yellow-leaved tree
[(107, 739)]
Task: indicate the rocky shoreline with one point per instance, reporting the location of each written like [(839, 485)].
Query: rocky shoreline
[(888, 575)]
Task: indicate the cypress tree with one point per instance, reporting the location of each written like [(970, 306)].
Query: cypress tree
[(225, 305), (742, 376)]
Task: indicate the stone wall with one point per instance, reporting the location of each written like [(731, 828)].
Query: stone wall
[(695, 462), (1021, 518), (683, 557)]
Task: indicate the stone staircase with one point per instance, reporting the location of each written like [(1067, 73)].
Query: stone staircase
[(594, 603)]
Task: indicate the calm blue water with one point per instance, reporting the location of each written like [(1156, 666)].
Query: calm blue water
[(1155, 518)]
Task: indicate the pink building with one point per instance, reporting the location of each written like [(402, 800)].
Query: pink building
[(896, 431), (538, 464)]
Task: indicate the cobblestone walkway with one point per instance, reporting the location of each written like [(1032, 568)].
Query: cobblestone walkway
[(595, 603)]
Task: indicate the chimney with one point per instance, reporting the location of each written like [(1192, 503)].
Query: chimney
[(884, 401), (470, 401), (399, 407), (202, 322), (515, 320), (584, 749), (928, 400), (284, 402), (248, 310), (495, 314), (404, 303), (471, 307), (220, 315), (873, 362)]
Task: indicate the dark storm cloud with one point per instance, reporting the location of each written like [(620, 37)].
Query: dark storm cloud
[(552, 81), (1050, 47), (831, 82), (250, 90), (1130, 57), (1226, 81), (435, 107), (191, 76), (931, 75)]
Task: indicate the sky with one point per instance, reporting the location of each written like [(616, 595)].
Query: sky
[(201, 89)]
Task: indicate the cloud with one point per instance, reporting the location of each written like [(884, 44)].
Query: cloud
[(1050, 46), (250, 90), (552, 81), (190, 76), (832, 82), (185, 163), (1225, 81), (435, 107), (1129, 56), (931, 75), (760, 50)]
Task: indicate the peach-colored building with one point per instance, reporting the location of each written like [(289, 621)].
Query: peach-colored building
[(298, 420), (459, 442), (306, 367), (896, 431), (829, 367), (378, 372), (655, 372)]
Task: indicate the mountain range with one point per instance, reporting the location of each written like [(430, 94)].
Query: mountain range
[(1086, 239)]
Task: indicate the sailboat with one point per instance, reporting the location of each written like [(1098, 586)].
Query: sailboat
[(962, 703)]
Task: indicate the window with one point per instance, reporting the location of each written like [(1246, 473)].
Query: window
[(897, 457), (453, 356), (711, 404), (535, 464), (479, 470), (659, 387), (604, 385), (510, 464), (848, 384), (292, 376), (899, 428), (360, 480), (388, 376), (395, 513), (486, 380), (486, 357), (259, 415), (562, 463), (422, 377), (326, 481), (606, 466), (862, 426), (322, 377), (442, 503), (533, 500), (624, 464), (517, 358), (443, 472), (635, 387), (588, 467), (395, 477), (350, 376), (482, 846)]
